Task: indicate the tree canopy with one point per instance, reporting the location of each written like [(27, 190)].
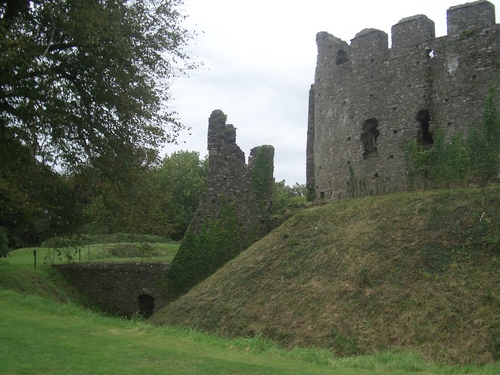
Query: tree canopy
[(83, 84), (79, 78), (182, 179)]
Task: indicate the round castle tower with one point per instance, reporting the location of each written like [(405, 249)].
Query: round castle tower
[(368, 100)]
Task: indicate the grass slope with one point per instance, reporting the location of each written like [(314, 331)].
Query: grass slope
[(415, 272), (39, 336)]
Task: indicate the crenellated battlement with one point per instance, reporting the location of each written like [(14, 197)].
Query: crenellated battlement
[(412, 31), (367, 99), (417, 29), (470, 16)]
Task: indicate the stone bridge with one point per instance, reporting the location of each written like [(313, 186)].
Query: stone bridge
[(124, 289)]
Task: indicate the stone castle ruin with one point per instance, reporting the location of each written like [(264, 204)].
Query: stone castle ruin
[(248, 186), (233, 187), (367, 99), (234, 212)]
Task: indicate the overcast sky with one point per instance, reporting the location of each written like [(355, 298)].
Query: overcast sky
[(259, 58)]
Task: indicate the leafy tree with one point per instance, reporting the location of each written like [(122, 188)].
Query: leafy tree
[(182, 179), (83, 84), (299, 190), (79, 78), (287, 200), (137, 195), (35, 202), (124, 198)]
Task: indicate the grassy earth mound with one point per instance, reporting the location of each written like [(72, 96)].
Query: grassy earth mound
[(413, 271)]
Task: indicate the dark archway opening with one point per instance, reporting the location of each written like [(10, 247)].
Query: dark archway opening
[(369, 138), (424, 133), (146, 305)]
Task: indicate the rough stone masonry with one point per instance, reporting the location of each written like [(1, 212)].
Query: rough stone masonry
[(367, 100), (230, 177), (123, 289)]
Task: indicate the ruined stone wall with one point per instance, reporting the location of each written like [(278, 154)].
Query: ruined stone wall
[(368, 99), (123, 289), (231, 178), (234, 212)]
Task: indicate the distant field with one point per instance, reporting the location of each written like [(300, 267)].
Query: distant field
[(157, 252), (19, 274)]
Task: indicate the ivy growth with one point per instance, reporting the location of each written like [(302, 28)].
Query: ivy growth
[(220, 239), (226, 229), (357, 186), (310, 193), (460, 160), (262, 173)]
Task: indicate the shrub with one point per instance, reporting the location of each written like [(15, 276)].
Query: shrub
[(131, 250), (460, 160)]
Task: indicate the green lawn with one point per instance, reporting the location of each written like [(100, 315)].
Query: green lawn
[(24, 258), (39, 335)]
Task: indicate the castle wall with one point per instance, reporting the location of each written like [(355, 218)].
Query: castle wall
[(368, 99), (230, 177), (233, 213)]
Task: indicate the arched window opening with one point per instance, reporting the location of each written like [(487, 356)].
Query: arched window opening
[(424, 133), (369, 138), (146, 305)]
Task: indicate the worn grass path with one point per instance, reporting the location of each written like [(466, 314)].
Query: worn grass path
[(41, 337)]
